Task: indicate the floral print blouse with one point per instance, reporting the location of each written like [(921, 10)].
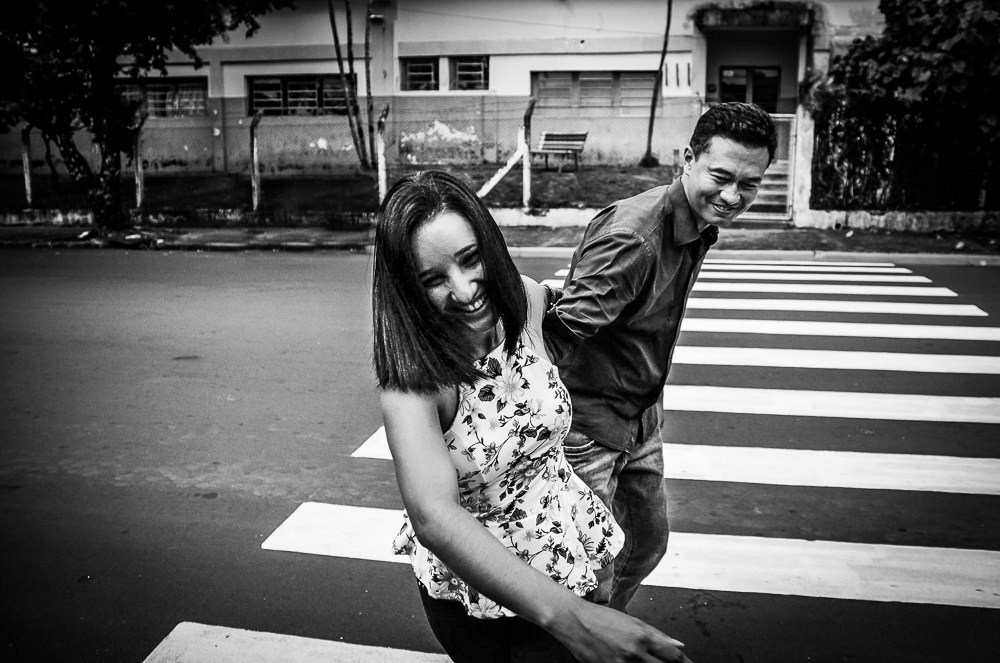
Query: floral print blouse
[(506, 445)]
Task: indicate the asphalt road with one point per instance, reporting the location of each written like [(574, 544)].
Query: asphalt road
[(164, 413)]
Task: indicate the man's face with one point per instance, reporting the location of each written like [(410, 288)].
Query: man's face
[(722, 182)]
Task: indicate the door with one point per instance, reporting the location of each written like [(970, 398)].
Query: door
[(758, 85)]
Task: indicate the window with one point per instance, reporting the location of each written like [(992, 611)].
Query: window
[(553, 88), (296, 95), (163, 97), (597, 89), (636, 90), (759, 85), (629, 91), (419, 73), (470, 72)]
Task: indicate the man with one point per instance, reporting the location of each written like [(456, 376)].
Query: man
[(613, 330)]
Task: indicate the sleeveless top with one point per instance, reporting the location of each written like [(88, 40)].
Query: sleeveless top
[(506, 445)]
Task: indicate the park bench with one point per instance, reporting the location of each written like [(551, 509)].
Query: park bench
[(561, 143)]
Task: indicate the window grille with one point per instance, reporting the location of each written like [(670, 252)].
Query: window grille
[(419, 73), (168, 97), (296, 95), (303, 97), (636, 90), (628, 91), (470, 72), (597, 89), (554, 88), (266, 96)]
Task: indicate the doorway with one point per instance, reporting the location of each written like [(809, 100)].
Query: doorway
[(758, 85)]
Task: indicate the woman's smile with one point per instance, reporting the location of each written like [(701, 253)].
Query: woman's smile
[(475, 305)]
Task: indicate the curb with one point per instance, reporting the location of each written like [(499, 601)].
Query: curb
[(560, 252), (291, 247), (364, 244), (973, 260), (166, 245)]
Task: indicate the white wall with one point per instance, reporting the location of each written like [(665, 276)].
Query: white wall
[(307, 24), (431, 20), (510, 75)]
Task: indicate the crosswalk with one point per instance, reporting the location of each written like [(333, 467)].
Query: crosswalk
[(871, 340)]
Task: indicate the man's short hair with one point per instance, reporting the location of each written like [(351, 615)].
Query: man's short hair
[(744, 123)]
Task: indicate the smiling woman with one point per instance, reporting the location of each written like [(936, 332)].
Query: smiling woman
[(451, 272), (418, 346), (503, 537)]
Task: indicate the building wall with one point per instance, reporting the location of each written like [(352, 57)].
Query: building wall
[(520, 38), (758, 48)]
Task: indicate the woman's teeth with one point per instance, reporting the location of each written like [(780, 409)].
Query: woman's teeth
[(475, 305)]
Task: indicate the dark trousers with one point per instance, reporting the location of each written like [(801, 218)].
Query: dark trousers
[(503, 640)]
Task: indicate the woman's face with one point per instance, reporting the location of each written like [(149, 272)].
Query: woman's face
[(450, 269)]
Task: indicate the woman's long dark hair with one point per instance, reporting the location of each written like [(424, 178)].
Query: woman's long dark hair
[(416, 348)]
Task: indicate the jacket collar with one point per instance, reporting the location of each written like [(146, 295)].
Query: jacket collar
[(687, 228)]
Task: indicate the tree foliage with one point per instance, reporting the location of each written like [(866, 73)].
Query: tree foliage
[(62, 58), (908, 119)]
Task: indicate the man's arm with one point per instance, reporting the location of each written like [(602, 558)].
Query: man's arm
[(604, 280)]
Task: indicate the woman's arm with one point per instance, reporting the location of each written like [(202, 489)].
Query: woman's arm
[(428, 484), (537, 306)]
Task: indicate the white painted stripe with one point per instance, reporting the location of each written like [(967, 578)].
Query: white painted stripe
[(338, 530), (791, 267), (851, 329), (829, 263), (845, 404), (189, 642), (376, 446), (824, 569), (768, 276), (804, 467), (831, 569), (836, 359), (808, 267), (826, 289), (553, 283), (833, 469), (834, 306)]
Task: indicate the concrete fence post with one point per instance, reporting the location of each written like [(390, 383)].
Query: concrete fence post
[(380, 153), (255, 161), (26, 163)]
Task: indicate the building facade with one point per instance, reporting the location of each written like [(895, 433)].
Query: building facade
[(459, 76)]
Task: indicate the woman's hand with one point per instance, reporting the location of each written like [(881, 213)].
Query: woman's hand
[(426, 476), (597, 634)]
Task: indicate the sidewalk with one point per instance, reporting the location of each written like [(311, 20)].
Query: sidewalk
[(539, 241)]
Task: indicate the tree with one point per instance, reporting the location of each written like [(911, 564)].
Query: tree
[(363, 147), (63, 58), (648, 160), (927, 88)]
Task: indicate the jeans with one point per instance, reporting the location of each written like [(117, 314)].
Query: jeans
[(503, 640), (630, 483)]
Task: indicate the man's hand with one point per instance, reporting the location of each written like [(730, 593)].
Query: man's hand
[(552, 295)]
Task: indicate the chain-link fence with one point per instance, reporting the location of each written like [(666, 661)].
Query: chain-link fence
[(449, 130), (453, 131)]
